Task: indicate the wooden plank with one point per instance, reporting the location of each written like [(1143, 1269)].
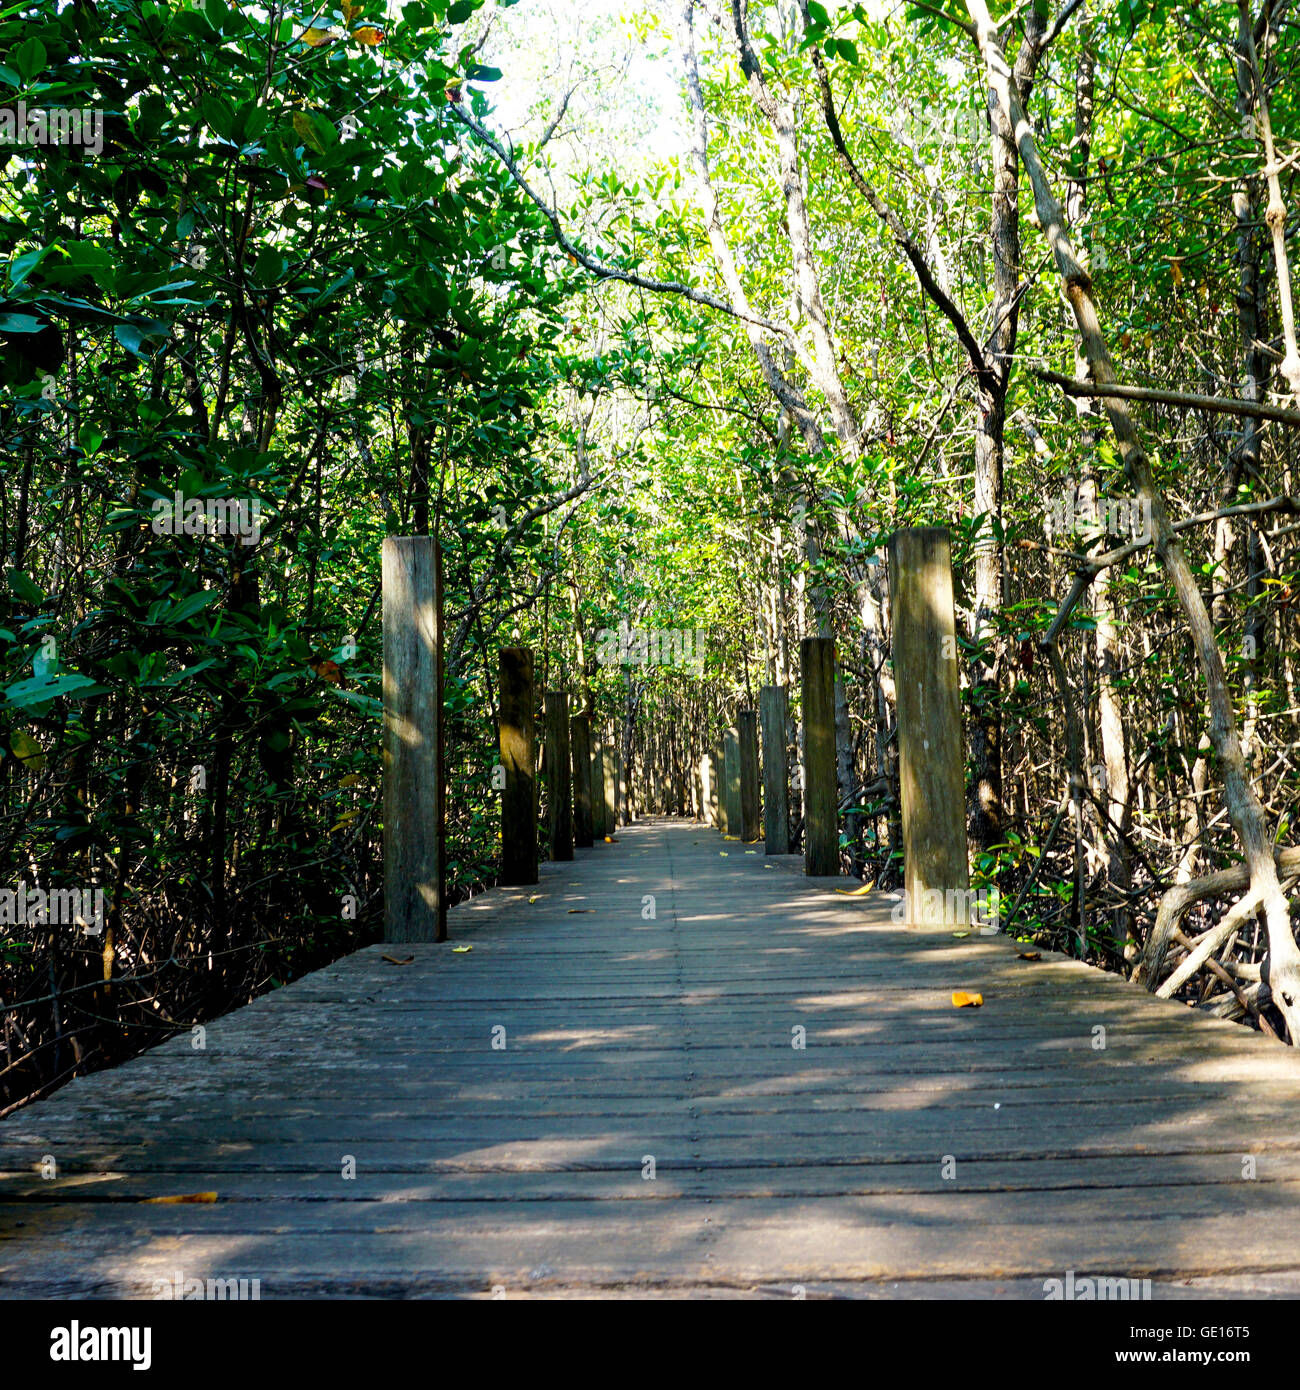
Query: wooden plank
[(1004, 1129), (1131, 1177), (415, 898), (471, 1208), (596, 1244)]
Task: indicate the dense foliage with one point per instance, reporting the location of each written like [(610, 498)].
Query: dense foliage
[(303, 278)]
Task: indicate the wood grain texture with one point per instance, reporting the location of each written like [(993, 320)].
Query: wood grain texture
[(708, 784), (931, 753), (773, 712), (821, 833), (580, 748), (414, 888), (720, 763), (559, 776), (609, 774), (816, 1110), (600, 827), (731, 780), (750, 801), (518, 742)]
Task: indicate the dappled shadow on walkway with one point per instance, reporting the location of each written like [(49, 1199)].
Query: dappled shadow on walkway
[(672, 1065)]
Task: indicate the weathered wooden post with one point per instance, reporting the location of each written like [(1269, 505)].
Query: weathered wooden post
[(518, 744), (708, 790), (773, 710), (609, 778), (731, 779), (580, 740), (931, 758), (415, 899), (747, 729), (821, 836), (720, 800), (598, 827), (559, 819)]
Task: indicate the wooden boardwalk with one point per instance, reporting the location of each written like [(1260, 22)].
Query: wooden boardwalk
[(908, 1148)]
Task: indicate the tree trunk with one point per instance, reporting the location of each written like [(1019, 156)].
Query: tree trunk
[(1245, 812)]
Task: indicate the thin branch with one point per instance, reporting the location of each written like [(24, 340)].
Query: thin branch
[(1054, 32), (1222, 405), (600, 268), (964, 25), (886, 214), (553, 124)]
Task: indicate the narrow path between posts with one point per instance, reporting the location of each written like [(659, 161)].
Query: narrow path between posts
[(674, 1065)]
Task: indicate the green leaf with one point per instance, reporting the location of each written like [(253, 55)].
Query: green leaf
[(188, 607), (131, 338), (42, 689), (31, 58), (178, 676), (22, 587), (134, 336), (23, 266), (28, 752), (367, 703), (314, 131), (269, 267)]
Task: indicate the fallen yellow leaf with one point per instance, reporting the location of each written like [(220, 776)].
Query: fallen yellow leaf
[(460, 950), (182, 1197), (962, 1000), (27, 751), (1030, 955)]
